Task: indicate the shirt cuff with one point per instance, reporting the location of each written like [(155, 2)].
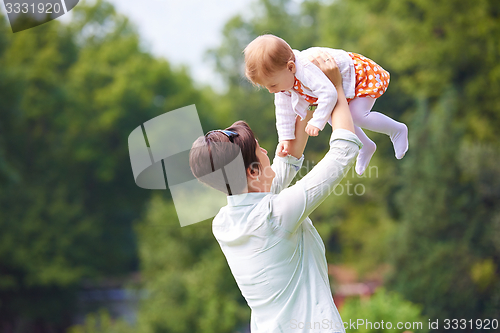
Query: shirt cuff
[(291, 160), (343, 134)]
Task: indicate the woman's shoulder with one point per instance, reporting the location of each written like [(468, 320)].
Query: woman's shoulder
[(239, 214)]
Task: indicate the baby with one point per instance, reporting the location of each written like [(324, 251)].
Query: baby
[(299, 85)]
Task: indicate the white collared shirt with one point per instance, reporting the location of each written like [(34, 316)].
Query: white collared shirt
[(274, 252), (315, 84)]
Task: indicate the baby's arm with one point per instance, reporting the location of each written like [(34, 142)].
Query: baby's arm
[(328, 66), (285, 122), (330, 69), (325, 91)]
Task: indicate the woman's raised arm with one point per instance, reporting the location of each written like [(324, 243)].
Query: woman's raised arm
[(297, 145), (292, 205), (341, 115)]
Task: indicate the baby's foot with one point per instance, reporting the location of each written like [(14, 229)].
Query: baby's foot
[(400, 141), (364, 157)]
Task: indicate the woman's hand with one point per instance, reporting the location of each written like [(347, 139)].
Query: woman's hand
[(327, 64)]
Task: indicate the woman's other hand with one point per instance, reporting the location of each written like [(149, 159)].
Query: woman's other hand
[(327, 64)]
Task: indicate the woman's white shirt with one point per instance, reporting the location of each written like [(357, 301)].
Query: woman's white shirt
[(274, 252)]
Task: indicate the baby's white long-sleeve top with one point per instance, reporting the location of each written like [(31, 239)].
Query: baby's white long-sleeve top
[(316, 84)]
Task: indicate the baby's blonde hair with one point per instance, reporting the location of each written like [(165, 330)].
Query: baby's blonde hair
[(265, 55)]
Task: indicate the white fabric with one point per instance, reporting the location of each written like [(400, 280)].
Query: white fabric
[(362, 116), (315, 84), (365, 153), (274, 252)]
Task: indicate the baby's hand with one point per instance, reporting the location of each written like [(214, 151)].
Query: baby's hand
[(282, 149), (312, 130)]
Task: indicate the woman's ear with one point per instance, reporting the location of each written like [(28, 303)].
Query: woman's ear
[(253, 173), (249, 173)]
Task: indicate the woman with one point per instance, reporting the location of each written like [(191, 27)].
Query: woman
[(273, 250)]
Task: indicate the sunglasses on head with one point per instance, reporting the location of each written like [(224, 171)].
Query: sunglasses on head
[(230, 134)]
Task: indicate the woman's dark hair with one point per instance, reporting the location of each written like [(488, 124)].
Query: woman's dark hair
[(214, 151)]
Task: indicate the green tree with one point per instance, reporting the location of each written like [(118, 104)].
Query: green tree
[(427, 45), (446, 54), (102, 322), (445, 256), (188, 282), (382, 312), (71, 95)]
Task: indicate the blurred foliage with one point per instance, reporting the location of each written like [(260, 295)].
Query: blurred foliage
[(443, 58), (190, 287), (448, 214), (385, 310), (72, 93), (101, 322), (427, 45)]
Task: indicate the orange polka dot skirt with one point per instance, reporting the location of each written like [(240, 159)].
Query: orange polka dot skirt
[(371, 79)]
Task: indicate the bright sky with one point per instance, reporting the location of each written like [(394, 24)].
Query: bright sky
[(182, 30)]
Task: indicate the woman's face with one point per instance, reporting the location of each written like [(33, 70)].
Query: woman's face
[(266, 172)]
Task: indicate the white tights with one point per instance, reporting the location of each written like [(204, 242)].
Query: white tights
[(362, 116)]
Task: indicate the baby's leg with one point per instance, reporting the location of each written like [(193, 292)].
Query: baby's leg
[(378, 122), (366, 153)]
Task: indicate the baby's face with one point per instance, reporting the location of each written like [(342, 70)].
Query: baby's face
[(281, 80)]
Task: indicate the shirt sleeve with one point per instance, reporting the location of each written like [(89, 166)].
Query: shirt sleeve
[(285, 116), (292, 205), (285, 169), (316, 81)]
